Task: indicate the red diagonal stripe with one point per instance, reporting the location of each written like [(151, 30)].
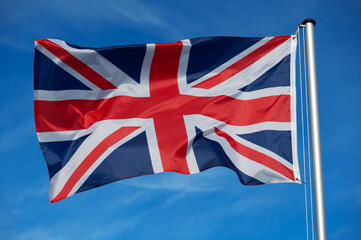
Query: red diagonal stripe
[(76, 64), (91, 158), (257, 156), (242, 63)]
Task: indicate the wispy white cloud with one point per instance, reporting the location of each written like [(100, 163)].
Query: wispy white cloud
[(46, 233), (115, 227), (176, 186), (137, 12), (23, 22), (141, 14), (40, 190), (345, 231), (201, 182), (7, 41), (9, 138), (105, 230), (100, 228), (350, 194), (254, 202), (32, 191), (123, 13)]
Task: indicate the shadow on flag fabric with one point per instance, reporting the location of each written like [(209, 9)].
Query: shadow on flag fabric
[(105, 114)]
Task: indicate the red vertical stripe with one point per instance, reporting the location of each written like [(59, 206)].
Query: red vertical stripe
[(169, 124)]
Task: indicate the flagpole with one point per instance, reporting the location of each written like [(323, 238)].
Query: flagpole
[(315, 129)]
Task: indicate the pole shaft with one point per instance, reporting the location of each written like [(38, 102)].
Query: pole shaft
[(315, 131)]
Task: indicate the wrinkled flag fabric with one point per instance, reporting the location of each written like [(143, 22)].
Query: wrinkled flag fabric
[(104, 114)]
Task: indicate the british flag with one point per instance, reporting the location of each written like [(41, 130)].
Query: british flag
[(104, 114)]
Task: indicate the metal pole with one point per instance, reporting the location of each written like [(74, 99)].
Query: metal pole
[(315, 130)]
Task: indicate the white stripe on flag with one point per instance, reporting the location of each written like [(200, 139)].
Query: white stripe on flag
[(64, 66), (232, 60), (248, 166), (102, 131), (99, 64)]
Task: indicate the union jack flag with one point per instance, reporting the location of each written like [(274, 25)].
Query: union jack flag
[(104, 114)]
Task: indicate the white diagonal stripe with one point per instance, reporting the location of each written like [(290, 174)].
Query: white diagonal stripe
[(138, 90), (255, 70), (261, 150), (68, 69), (101, 159), (103, 130), (99, 64), (246, 77), (207, 124), (248, 166), (232, 60)]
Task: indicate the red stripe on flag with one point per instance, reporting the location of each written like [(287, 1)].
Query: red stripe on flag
[(256, 156), (91, 159), (168, 120), (76, 64), (81, 114), (242, 63), (246, 112)]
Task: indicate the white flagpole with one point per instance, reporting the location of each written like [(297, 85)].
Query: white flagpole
[(315, 129)]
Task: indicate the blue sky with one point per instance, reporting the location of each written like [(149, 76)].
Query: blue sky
[(209, 205)]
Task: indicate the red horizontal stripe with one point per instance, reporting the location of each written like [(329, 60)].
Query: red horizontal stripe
[(242, 63), (81, 114), (246, 112), (76, 64), (256, 156), (91, 159)]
